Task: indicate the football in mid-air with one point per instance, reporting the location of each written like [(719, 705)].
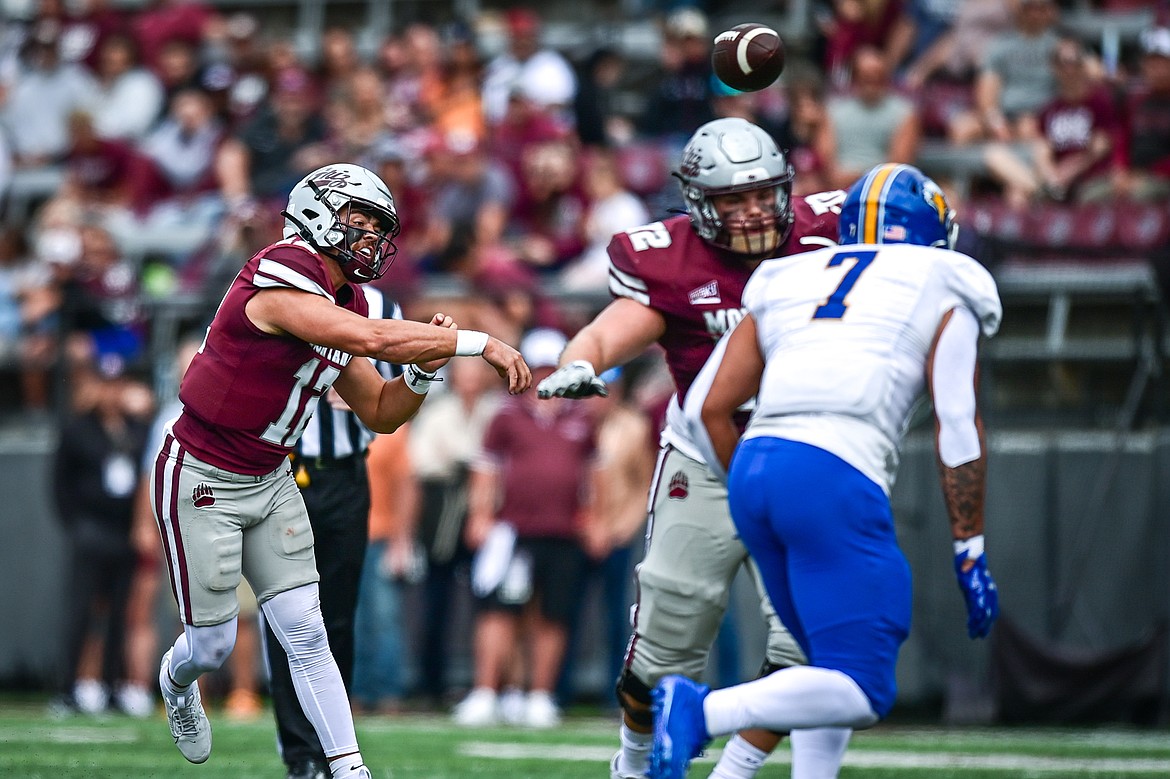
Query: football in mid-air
[(748, 57)]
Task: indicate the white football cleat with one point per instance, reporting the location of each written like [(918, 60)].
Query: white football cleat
[(479, 709), (190, 727)]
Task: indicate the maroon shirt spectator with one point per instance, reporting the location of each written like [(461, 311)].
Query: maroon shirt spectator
[(525, 124), (166, 20), (535, 473), (548, 220), (857, 23), (106, 172), (84, 28), (1073, 133), (1069, 125), (542, 452)]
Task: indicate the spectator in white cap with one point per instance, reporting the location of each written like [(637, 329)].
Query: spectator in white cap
[(540, 73), (530, 507)]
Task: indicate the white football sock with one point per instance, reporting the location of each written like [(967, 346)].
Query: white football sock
[(295, 618), (740, 760), (817, 753), (789, 699), (635, 759)]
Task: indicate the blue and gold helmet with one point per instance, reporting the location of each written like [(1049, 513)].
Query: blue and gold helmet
[(897, 204)]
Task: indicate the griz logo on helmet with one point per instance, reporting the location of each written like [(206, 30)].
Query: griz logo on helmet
[(333, 177)]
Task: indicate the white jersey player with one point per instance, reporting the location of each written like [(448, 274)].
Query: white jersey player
[(841, 344)]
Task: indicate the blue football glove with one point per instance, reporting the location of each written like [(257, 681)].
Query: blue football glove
[(978, 587)]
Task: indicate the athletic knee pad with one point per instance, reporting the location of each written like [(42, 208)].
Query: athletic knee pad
[(633, 695)]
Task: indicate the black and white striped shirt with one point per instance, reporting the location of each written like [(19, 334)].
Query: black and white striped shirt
[(333, 433)]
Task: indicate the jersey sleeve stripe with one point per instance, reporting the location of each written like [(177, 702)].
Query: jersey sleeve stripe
[(626, 285), (271, 274)]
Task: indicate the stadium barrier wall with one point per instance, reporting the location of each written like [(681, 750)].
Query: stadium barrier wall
[(1078, 528)]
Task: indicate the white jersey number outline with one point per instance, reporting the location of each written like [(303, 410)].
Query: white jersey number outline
[(302, 401)]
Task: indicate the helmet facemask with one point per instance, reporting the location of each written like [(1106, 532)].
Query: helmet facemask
[(757, 235)]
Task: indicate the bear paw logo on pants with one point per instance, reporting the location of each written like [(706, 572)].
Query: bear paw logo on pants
[(679, 487), (202, 496)]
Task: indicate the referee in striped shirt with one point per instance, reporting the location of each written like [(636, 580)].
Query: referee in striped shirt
[(330, 468)]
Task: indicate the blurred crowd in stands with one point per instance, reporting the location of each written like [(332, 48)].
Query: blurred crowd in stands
[(169, 134), (145, 153)]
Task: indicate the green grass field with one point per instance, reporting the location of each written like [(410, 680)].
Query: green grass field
[(36, 746)]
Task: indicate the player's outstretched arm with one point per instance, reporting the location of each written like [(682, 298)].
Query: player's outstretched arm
[(315, 319), (952, 372), (623, 330)]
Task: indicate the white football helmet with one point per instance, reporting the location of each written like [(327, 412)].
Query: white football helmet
[(733, 155), (317, 207)]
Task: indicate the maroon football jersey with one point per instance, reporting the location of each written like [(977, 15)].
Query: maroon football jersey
[(247, 394), (696, 286)]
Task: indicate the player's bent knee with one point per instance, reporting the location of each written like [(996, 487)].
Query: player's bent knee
[(211, 644), (296, 624), (633, 695)]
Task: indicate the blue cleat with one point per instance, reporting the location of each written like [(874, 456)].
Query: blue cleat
[(680, 729)]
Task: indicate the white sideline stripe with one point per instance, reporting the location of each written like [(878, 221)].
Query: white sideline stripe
[(859, 758)]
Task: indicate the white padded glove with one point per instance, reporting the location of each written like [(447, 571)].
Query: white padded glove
[(575, 380)]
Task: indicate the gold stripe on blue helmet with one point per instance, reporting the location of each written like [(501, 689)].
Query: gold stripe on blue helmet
[(873, 198)]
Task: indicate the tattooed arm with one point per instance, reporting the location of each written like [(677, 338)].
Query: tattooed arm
[(963, 489), (951, 373)]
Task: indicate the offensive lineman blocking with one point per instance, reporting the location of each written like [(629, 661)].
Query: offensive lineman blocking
[(678, 283), (224, 496), (840, 344)]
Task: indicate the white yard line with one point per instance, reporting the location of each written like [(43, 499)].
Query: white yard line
[(71, 735), (854, 758)]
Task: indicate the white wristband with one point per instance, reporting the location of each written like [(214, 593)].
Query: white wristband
[(417, 380), (470, 343), (973, 546)]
